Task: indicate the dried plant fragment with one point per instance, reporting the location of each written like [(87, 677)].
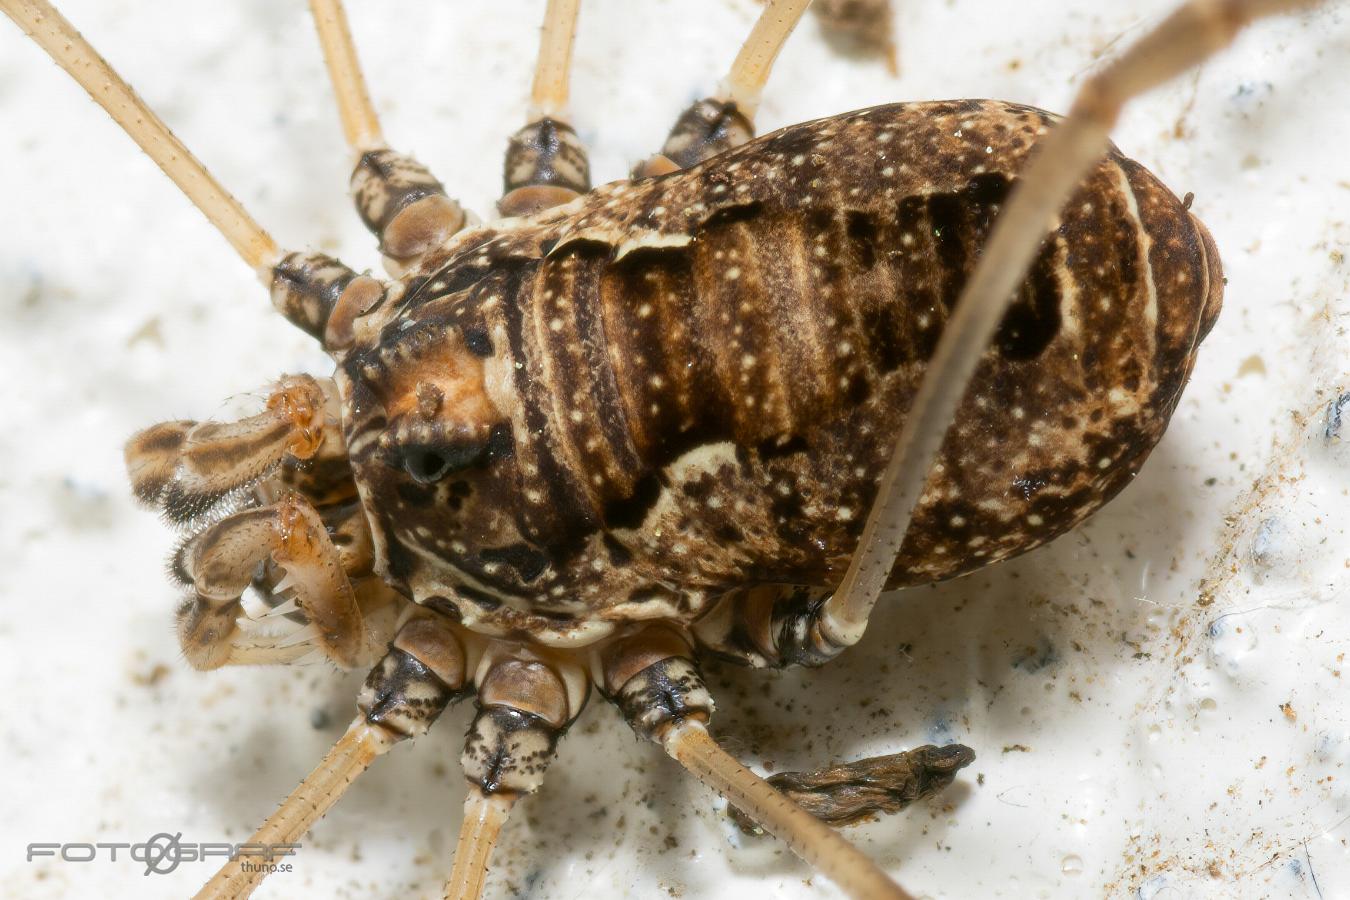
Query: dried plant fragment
[(851, 792)]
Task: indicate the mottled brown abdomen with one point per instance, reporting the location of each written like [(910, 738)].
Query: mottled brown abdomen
[(756, 373), (701, 376)]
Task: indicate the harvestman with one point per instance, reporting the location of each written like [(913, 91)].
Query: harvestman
[(190, 468)]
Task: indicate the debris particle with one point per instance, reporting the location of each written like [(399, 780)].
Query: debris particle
[(158, 672)]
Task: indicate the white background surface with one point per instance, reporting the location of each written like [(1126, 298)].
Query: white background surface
[(1131, 740)]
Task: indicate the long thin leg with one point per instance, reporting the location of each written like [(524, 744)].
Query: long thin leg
[(289, 276), (484, 816), (652, 677), (68, 48), (551, 88), (749, 73), (1188, 36), (360, 124), (815, 842), (715, 124), (350, 756), (423, 673), (397, 197), (546, 163)]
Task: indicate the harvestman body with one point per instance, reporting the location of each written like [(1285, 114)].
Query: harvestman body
[(622, 428)]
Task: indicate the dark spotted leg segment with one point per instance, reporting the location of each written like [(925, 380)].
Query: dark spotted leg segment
[(403, 205), (397, 197), (859, 26), (526, 702), (746, 626), (425, 671), (323, 298), (715, 124), (653, 678), (546, 163)]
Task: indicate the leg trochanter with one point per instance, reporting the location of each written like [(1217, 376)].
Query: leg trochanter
[(546, 163)]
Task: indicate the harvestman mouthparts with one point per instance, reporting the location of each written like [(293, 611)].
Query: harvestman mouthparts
[(303, 527)]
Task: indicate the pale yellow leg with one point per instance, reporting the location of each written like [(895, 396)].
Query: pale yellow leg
[(360, 124), (716, 124), (484, 815), (819, 845), (397, 197), (68, 48), (546, 163), (350, 756), (423, 672), (553, 70), (750, 71), (1187, 37)]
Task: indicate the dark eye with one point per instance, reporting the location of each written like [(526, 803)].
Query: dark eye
[(429, 463), (425, 464)]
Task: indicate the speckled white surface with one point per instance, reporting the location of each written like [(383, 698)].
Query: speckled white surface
[(1157, 700)]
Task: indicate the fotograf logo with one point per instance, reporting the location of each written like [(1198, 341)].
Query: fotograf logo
[(163, 852)]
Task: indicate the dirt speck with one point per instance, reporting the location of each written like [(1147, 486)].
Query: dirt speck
[(1252, 365), (158, 672)]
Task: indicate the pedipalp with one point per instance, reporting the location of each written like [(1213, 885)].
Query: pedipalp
[(289, 537), (188, 468)]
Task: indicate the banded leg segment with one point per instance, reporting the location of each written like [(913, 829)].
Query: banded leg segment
[(546, 163), (746, 626), (1184, 39), (526, 702), (403, 205), (653, 678), (424, 672), (323, 298), (725, 120), (397, 197)]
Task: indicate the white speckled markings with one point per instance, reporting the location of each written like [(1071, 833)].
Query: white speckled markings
[(1132, 743)]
